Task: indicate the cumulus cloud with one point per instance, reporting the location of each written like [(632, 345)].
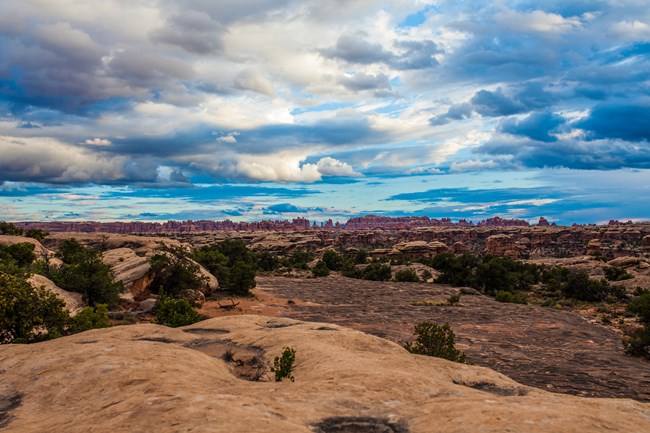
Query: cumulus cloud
[(254, 81), (329, 166), (49, 160), (360, 81), (537, 21), (192, 31)]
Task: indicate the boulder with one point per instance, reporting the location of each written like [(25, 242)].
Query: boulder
[(129, 268), (73, 301)]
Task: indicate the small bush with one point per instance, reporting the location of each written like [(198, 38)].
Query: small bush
[(84, 272), (639, 343), (510, 298), (435, 340), (174, 312), (283, 365), (376, 272), (613, 273), (454, 299), (28, 314), (407, 275), (90, 318), (641, 307), (175, 273), (10, 229), (37, 234), (234, 265), (320, 269), (332, 260)]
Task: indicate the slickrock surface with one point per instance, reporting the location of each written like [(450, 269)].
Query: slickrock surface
[(144, 378), (541, 347)]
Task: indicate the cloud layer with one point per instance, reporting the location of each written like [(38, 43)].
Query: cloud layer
[(167, 93)]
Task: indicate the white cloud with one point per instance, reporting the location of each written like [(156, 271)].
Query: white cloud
[(628, 31), (98, 142), (537, 21), (329, 166), (49, 160)]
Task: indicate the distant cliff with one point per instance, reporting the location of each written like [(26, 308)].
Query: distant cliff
[(367, 222)]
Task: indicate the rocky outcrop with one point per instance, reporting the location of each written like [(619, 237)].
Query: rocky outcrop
[(129, 378), (39, 250), (419, 248), (502, 245), (134, 271), (73, 301)]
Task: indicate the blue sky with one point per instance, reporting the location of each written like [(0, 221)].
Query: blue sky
[(257, 109)]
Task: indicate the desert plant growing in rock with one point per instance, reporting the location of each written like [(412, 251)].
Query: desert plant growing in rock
[(231, 262), (90, 318), (28, 314), (283, 365), (320, 269), (174, 312), (84, 272), (435, 340), (407, 275)]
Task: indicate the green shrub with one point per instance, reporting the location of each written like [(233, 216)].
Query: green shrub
[(454, 299), (376, 272), (510, 298), (234, 265), (579, 286), (613, 273), (320, 269), (90, 318), (173, 312), (28, 314), (360, 257), (10, 229), (267, 262), (84, 272), (407, 275), (435, 340), (175, 273), (283, 365), (37, 234), (641, 307), (333, 260), (639, 343), (299, 259)]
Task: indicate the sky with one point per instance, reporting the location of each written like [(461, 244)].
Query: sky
[(271, 109)]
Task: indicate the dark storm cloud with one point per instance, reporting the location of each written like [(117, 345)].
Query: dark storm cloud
[(495, 104), (537, 126), (626, 122), (573, 153), (519, 98)]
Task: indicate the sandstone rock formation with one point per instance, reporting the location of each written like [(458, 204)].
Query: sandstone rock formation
[(133, 270), (420, 248), (141, 378), (39, 250), (73, 301), (501, 245)]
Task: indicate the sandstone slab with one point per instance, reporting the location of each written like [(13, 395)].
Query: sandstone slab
[(141, 378)]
